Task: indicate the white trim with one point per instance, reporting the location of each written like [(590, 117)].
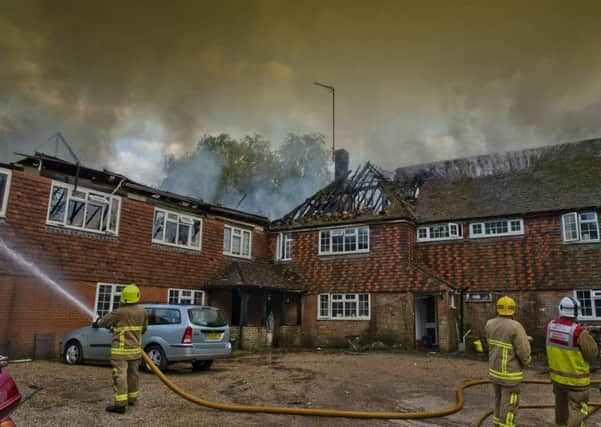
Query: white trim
[(242, 231), (592, 297), (69, 188), (114, 293), (180, 215), (179, 296), (4, 201), (579, 221), (487, 297), (280, 251), (457, 235), (343, 296), (509, 232), (344, 230)]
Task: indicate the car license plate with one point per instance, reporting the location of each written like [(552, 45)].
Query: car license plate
[(214, 335)]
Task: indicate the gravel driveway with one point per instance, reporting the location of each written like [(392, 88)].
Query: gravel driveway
[(77, 395)]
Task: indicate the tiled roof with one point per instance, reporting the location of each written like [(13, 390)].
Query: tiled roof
[(559, 177), (256, 274)]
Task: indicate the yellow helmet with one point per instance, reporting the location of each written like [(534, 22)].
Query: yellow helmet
[(130, 294), (506, 306)]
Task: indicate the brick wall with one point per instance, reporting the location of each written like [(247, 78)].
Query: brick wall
[(537, 260), (80, 260)]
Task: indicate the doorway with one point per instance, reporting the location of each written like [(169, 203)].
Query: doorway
[(426, 330)]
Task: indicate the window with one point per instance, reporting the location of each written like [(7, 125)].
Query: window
[(163, 316), (343, 307), (590, 303), (185, 296), (83, 209), (478, 296), (344, 240), (580, 227), (284, 247), (450, 231), (5, 175), (107, 298), (236, 241), (504, 227), (175, 229)]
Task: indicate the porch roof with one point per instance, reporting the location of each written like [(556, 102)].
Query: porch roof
[(256, 274)]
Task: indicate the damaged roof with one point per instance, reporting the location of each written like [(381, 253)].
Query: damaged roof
[(49, 165), (553, 178), (256, 274), (368, 193)]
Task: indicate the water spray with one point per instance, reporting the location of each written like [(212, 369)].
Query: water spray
[(34, 270)]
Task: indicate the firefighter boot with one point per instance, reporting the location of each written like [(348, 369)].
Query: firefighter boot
[(116, 409)]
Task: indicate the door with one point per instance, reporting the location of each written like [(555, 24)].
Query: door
[(426, 331)]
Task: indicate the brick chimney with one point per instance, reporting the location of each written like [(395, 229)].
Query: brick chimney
[(341, 160)]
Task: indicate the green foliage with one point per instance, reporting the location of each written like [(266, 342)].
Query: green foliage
[(248, 174)]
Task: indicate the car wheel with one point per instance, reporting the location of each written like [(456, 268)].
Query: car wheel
[(73, 354), (157, 355), (201, 365)]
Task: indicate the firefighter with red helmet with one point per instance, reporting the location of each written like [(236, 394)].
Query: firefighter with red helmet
[(570, 349), (128, 323), (508, 352)]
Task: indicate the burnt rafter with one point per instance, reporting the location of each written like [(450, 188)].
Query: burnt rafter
[(368, 191)]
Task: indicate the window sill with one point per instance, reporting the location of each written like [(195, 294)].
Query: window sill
[(345, 255), (178, 249), (580, 242), (489, 238), (237, 256), (443, 241), (337, 319), (83, 233)]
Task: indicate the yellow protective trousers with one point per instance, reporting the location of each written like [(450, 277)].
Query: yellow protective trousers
[(507, 400), (125, 381)]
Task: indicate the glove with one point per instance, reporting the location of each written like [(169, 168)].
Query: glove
[(95, 323)]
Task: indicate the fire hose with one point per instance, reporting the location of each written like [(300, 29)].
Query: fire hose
[(330, 412)]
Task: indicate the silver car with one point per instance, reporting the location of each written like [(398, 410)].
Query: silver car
[(176, 333)]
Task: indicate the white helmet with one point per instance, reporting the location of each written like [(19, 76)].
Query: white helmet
[(568, 307)]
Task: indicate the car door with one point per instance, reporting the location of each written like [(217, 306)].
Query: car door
[(98, 344)]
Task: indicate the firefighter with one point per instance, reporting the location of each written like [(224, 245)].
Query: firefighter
[(508, 352), (127, 324), (570, 349)]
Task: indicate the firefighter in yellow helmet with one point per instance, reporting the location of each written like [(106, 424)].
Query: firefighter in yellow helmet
[(508, 352), (128, 323), (570, 348)]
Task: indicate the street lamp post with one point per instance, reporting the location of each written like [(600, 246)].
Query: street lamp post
[(333, 92)]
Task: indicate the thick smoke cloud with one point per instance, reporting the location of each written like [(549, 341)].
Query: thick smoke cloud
[(414, 83)]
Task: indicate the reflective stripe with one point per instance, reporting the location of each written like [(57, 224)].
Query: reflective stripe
[(498, 343), (133, 394), (513, 398), (127, 328), (509, 419), (125, 351), (505, 375), (120, 397), (496, 420), (584, 408)]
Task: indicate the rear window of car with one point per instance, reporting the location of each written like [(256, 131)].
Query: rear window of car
[(206, 317), (164, 316)]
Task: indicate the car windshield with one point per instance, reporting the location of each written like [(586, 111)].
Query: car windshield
[(206, 316)]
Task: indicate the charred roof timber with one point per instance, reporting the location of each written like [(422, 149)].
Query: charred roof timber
[(366, 193)]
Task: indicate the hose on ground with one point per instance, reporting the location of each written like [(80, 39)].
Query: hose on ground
[(326, 412)]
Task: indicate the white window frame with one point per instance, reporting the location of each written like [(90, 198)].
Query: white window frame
[(69, 189), (509, 232), (181, 218), (283, 251), (343, 299), (192, 297), (343, 231), (4, 197), (453, 235), (481, 297), (242, 231), (579, 221), (594, 294), (114, 292)]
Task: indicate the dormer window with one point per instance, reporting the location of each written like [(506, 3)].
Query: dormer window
[(446, 231), (580, 227), (344, 240), (497, 228)]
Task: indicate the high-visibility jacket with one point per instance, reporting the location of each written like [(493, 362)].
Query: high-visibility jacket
[(508, 350), (569, 345), (127, 324)]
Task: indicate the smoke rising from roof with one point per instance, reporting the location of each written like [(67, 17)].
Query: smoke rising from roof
[(414, 83)]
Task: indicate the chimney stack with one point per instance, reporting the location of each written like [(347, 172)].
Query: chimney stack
[(341, 160)]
